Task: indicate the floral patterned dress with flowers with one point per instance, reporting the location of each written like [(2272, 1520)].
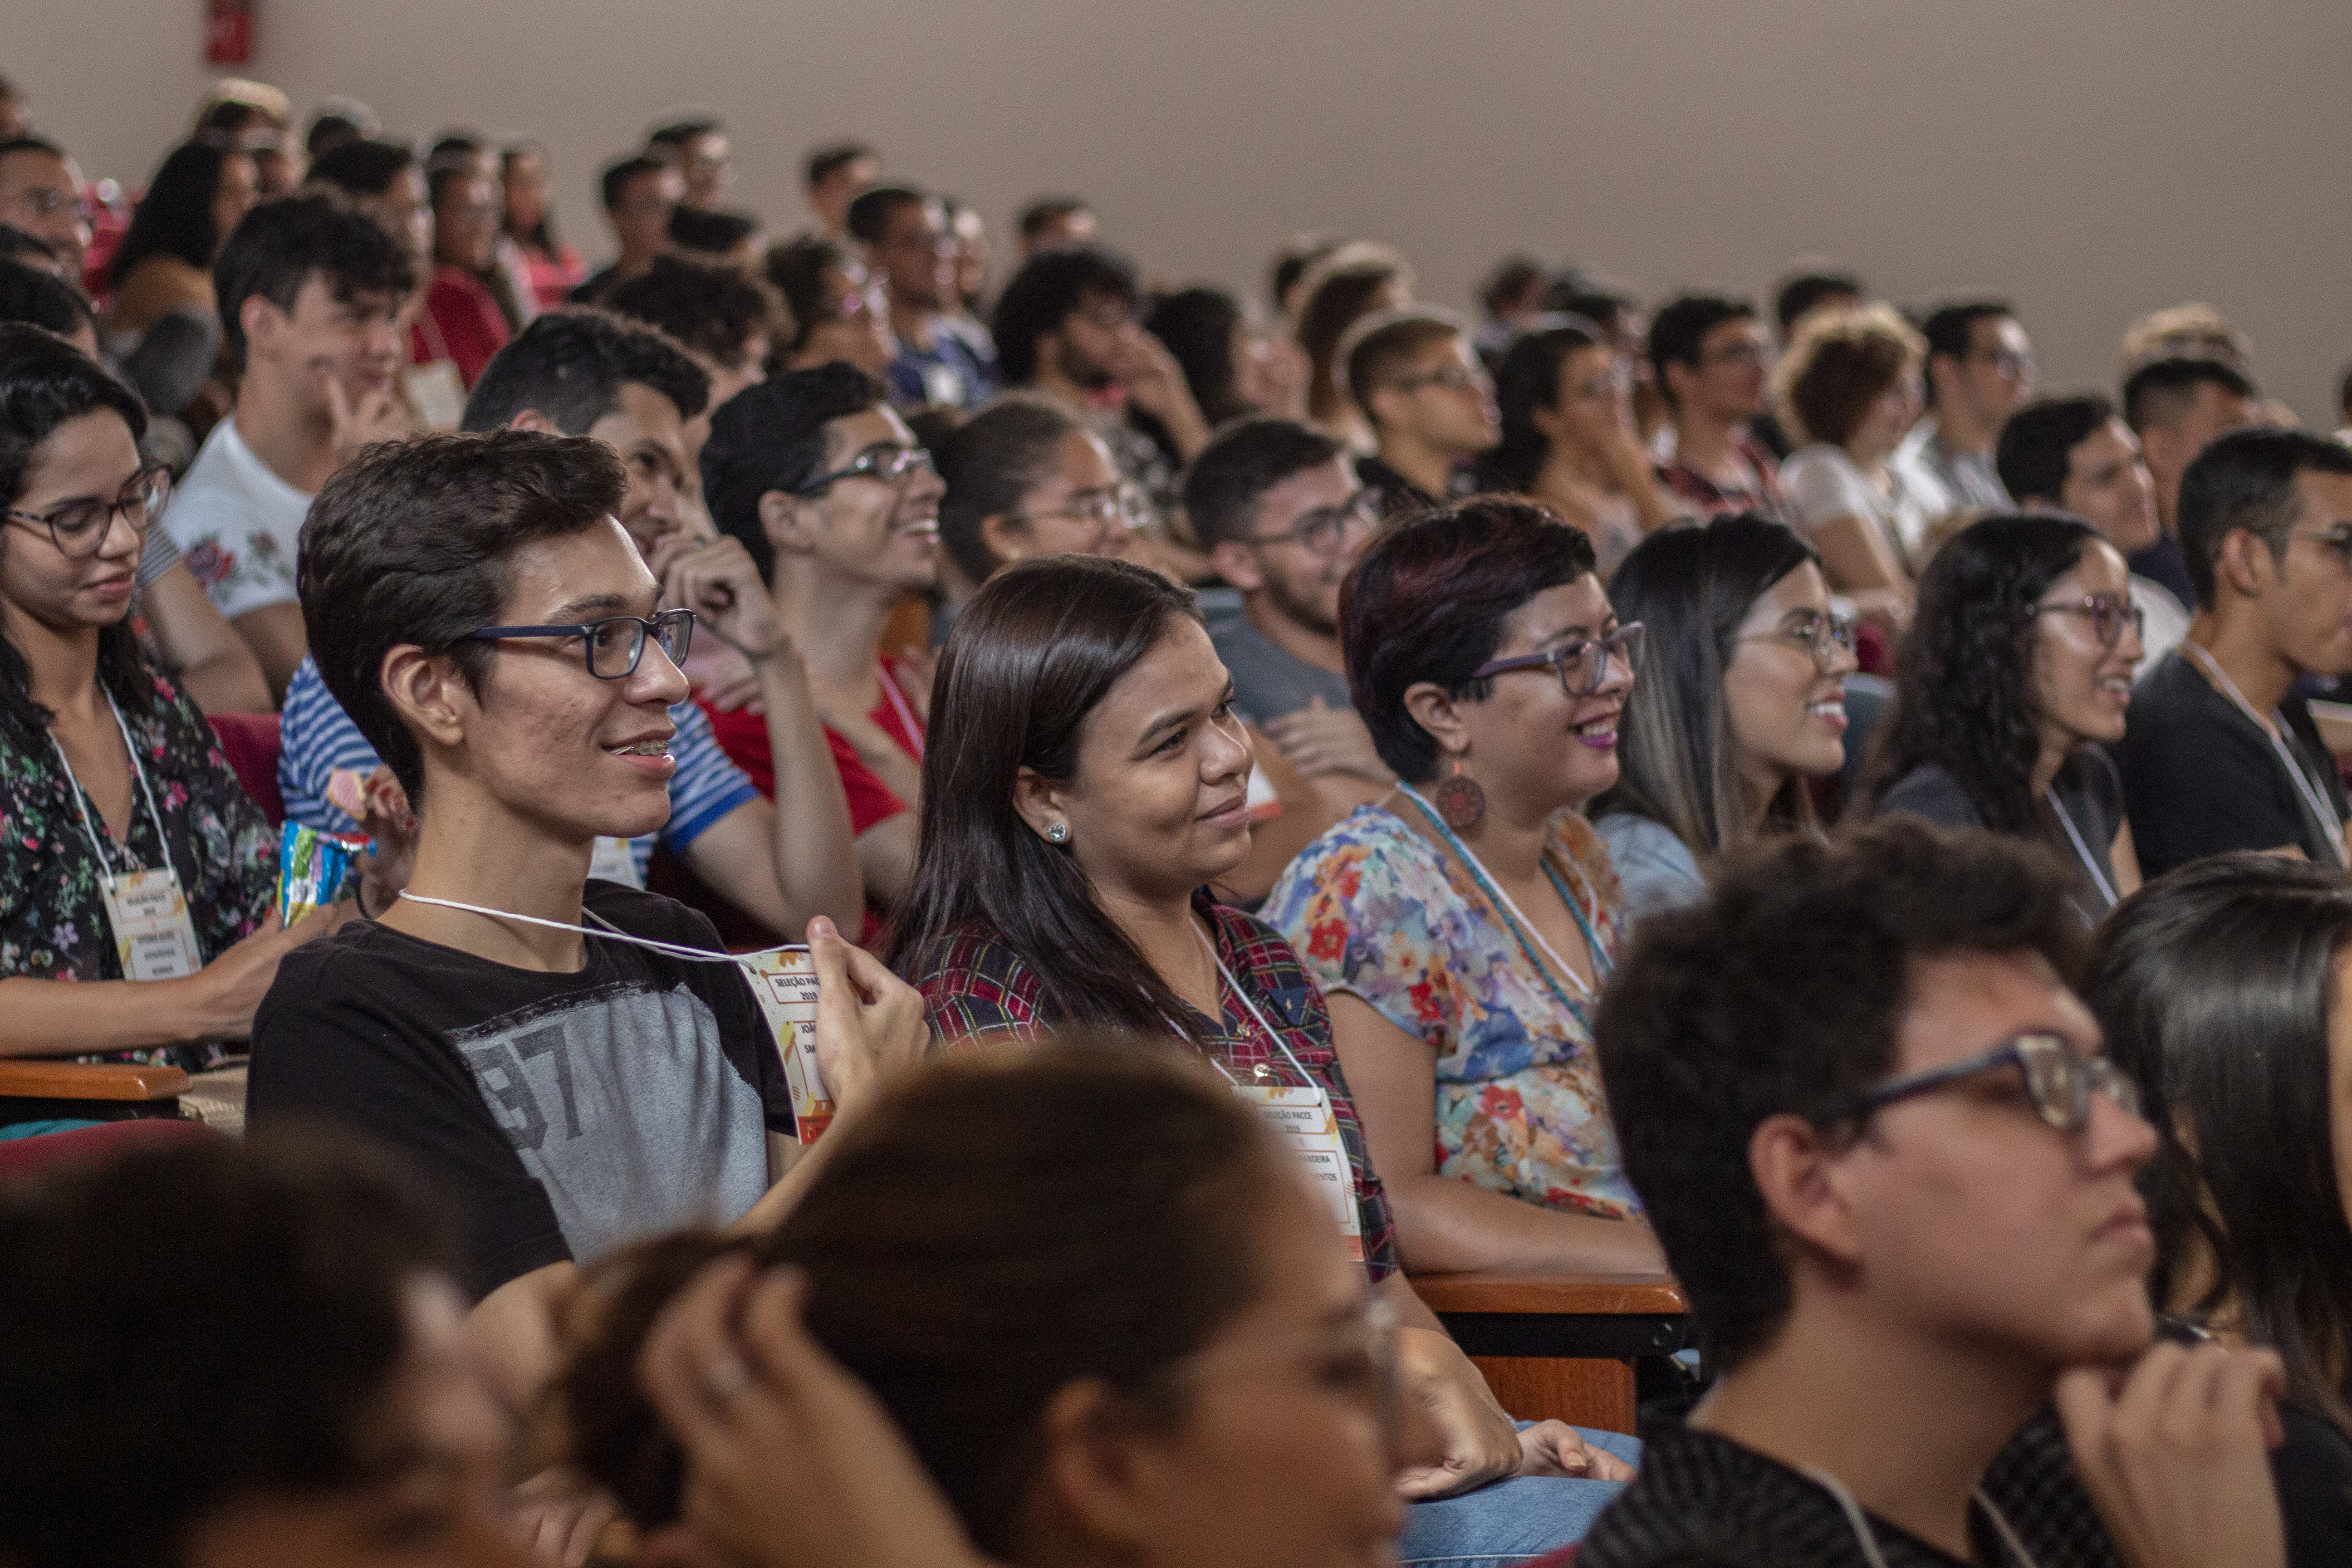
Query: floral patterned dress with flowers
[(1377, 913), (52, 916)]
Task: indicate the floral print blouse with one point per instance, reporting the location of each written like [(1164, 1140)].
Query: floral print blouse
[(1376, 911), (52, 917)]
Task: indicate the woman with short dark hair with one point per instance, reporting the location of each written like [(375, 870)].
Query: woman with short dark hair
[(2014, 680), (1464, 925), (1085, 780)]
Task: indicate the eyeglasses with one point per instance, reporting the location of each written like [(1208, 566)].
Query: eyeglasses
[(1324, 531), (1452, 377), (79, 527), (613, 644), (1817, 633), (2059, 1080), (1741, 353), (2337, 542), (47, 201), (886, 461), (1125, 506), (2109, 613), (1355, 1359), (2008, 363), (1109, 315), (1584, 666)]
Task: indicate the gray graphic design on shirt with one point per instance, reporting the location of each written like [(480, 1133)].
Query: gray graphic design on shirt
[(624, 1108)]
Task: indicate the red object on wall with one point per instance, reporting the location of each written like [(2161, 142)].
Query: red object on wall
[(229, 32)]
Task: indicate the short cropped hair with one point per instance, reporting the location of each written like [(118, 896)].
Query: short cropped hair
[(796, 271), (613, 185), (829, 160), (280, 243), (362, 167), (868, 218), (2163, 389), (1841, 362), (989, 463), (710, 232), (1050, 286), (1379, 346), (2037, 445), (771, 437), (1950, 329), (710, 310), (1683, 323), (1239, 465), (269, 1245), (41, 299), (2246, 480), (678, 133), (570, 365), (1427, 602), (1799, 292), (1046, 211), (410, 542), (1783, 993), (1509, 283)]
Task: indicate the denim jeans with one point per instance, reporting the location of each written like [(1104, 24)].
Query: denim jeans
[(1512, 1521)]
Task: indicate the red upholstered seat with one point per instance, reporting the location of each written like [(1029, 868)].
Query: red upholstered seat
[(250, 741), (21, 1157)]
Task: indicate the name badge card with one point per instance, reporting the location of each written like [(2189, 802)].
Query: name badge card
[(785, 982), (153, 938), (436, 396), (1302, 1117), (613, 861)]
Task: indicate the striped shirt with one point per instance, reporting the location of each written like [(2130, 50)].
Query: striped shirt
[(320, 737)]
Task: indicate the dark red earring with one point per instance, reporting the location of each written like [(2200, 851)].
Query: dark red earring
[(1460, 801)]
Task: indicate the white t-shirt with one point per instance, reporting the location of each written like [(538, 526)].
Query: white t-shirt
[(237, 523), (1822, 484)]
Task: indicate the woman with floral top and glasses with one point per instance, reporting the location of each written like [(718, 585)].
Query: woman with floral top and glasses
[(1743, 703), (136, 880), (1464, 925), (2014, 679)]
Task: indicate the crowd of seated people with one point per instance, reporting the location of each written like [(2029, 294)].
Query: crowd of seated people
[(958, 883)]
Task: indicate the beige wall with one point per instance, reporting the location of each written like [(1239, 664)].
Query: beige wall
[(2090, 158)]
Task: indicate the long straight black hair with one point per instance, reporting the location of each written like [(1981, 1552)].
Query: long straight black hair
[(46, 382), (2215, 986), (1032, 653)]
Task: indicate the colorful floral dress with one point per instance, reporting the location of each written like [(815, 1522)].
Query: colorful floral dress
[(52, 916), (1376, 911)]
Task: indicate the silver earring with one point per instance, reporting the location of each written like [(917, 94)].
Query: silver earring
[(1059, 834)]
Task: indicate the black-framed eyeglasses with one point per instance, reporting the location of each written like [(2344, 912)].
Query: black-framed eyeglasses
[(1324, 531), (887, 461), (2059, 1080), (614, 645), (1582, 665), (2008, 363), (1124, 507), (1452, 377), (2337, 542), (2109, 613), (1817, 633), (79, 527)]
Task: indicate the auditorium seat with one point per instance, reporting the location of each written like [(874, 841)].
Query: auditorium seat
[(23, 1157), (37, 1090), (250, 741), (1561, 1346)]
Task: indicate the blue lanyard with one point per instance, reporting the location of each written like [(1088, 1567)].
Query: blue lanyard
[(1501, 902)]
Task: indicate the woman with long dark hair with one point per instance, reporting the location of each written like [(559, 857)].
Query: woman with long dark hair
[(554, 268), (1568, 436), (161, 278), (1024, 479), (1085, 780), (136, 880), (2225, 990), (1465, 923), (2015, 676), (1741, 701)]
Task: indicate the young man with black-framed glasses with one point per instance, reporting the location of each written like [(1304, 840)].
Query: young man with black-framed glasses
[(1873, 1131), (540, 1040)]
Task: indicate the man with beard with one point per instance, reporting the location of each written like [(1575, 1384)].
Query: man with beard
[(907, 241), (1279, 506)]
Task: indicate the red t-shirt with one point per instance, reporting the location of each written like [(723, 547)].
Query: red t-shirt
[(744, 736), (460, 322), (896, 712)]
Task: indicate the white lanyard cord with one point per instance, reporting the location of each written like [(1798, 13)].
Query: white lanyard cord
[(2098, 878), (1486, 882), (610, 932), (1865, 1537), (900, 706), (82, 806), (2313, 799)]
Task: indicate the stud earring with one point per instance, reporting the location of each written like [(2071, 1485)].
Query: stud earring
[(1060, 832), (1460, 801)]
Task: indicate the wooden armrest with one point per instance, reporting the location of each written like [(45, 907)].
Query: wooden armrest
[(90, 1081), (1652, 1295)]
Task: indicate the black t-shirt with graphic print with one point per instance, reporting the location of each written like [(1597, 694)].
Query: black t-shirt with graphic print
[(564, 1114)]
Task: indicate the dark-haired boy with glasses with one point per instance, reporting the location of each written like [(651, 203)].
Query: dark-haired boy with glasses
[(1429, 404), (577, 1059), (1895, 1176)]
